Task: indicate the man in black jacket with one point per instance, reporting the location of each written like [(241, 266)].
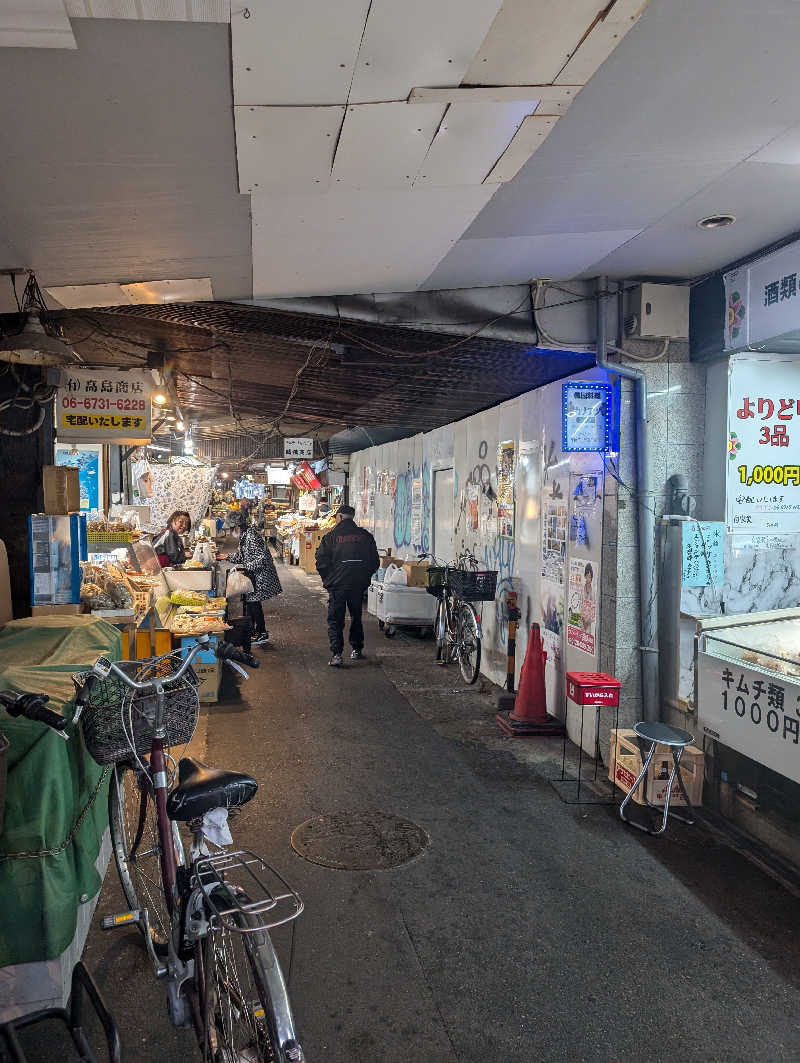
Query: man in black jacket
[(346, 559)]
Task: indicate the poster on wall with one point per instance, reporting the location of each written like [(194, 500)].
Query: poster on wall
[(472, 506), (554, 540), (505, 489), (763, 474), (87, 458), (552, 608), (416, 512), (702, 549), (581, 604)]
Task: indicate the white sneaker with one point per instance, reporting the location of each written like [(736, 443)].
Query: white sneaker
[(336, 661)]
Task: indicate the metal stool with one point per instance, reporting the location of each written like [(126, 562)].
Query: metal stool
[(677, 740)]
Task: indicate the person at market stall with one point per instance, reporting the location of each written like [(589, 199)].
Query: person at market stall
[(168, 544), (346, 559), (253, 554)]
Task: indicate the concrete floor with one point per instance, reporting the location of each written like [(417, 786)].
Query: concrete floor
[(528, 930)]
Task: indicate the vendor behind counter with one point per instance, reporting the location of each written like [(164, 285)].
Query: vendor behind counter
[(168, 544)]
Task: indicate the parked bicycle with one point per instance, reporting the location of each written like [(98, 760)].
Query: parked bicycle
[(458, 624), (205, 919)]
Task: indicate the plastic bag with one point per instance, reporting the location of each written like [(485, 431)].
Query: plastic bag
[(238, 583), (397, 575)]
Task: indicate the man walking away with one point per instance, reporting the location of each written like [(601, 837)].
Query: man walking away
[(346, 559)]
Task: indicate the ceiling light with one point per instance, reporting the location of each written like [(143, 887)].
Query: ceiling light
[(224, 476), (180, 426), (716, 221), (159, 398), (171, 417)]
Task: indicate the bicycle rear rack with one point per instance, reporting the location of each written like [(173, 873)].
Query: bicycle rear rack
[(242, 873)]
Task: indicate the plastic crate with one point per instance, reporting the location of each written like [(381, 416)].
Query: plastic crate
[(473, 586)]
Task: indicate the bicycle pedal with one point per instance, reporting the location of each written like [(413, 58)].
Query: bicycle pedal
[(113, 922)]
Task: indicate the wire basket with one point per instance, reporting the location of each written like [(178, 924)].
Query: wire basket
[(472, 586), (118, 718), (435, 585)]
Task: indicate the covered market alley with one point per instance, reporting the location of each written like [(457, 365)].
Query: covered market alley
[(526, 929)]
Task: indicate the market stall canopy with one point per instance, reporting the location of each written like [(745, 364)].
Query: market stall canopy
[(246, 371)]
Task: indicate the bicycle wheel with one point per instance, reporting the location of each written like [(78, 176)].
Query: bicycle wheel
[(248, 1018), (137, 849), (440, 630), (468, 642)]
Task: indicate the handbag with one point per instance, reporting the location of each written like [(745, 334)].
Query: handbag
[(238, 583)]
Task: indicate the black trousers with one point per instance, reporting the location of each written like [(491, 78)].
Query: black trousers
[(339, 602), (255, 610)]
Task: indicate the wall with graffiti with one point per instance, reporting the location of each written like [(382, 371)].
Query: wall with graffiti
[(520, 505)]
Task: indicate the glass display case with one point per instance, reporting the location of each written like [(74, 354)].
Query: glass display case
[(772, 644)]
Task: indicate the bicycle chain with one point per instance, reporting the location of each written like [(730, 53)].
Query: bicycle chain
[(75, 828)]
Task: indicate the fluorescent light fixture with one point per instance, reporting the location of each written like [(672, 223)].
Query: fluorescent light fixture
[(159, 398)]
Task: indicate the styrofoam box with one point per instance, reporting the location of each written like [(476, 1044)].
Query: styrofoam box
[(372, 597), (405, 605), (198, 579)]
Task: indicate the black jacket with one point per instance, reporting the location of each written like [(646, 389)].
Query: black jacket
[(169, 543), (347, 557)]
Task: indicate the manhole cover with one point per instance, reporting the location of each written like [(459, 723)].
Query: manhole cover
[(359, 841)]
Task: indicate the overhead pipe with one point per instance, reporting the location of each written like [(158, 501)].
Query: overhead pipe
[(648, 576)]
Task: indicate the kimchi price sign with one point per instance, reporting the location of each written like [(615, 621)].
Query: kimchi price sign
[(104, 406), (763, 445)]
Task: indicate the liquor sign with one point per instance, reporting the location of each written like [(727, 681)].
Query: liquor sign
[(762, 300), (751, 712), (585, 416), (298, 447), (763, 446), (104, 406)]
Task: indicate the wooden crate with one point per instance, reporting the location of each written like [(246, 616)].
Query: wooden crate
[(624, 769)]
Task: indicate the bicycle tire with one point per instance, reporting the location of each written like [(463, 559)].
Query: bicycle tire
[(135, 843), (468, 642), (440, 629), (247, 1012)]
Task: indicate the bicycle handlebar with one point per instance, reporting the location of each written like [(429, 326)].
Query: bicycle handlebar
[(32, 706)]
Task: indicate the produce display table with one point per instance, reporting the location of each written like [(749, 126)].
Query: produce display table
[(54, 844)]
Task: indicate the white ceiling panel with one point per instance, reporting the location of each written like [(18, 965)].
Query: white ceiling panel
[(529, 138), (551, 99), (601, 42), (192, 290), (152, 10), (295, 51), (383, 144), (286, 148), (530, 41), (516, 260), (470, 140), (784, 149), (418, 42), (349, 241), (675, 247), (35, 24), (80, 296)]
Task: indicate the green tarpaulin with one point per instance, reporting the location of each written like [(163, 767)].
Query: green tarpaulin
[(56, 796)]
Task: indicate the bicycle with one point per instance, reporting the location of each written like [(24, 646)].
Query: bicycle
[(458, 624), (207, 939)]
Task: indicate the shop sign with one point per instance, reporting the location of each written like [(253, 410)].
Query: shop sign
[(104, 406), (763, 446), (585, 416), (750, 712), (298, 447), (762, 300)]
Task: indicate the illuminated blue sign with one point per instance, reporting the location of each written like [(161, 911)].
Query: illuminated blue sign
[(586, 416)]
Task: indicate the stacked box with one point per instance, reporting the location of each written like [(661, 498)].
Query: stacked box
[(309, 543), (624, 769), (62, 489), (417, 572)]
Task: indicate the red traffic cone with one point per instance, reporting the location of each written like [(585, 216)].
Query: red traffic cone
[(529, 717)]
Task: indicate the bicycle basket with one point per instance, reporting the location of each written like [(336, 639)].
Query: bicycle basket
[(113, 707), (435, 585), (473, 586)]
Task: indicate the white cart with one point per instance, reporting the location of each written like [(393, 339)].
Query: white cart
[(400, 606)]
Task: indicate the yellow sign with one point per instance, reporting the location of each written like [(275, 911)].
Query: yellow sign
[(104, 405)]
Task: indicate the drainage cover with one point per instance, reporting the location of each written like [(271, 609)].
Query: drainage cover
[(359, 841)]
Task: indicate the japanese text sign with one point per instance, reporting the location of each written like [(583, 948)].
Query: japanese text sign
[(585, 417), (298, 447), (752, 712), (762, 301), (702, 553), (104, 406), (763, 446)]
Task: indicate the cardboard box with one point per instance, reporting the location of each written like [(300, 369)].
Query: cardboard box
[(389, 560), (56, 546), (625, 770), (57, 610), (417, 572), (62, 489), (309, 541), (207, 681)]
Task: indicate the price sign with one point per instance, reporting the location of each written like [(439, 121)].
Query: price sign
[(585, 416), (104, 406)]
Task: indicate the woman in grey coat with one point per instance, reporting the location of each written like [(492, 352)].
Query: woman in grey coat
[(254, 556)]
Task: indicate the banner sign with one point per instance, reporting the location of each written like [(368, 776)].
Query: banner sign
[(762, 300), (298, 447), (763, 467), (750, 712), (104, 406)]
